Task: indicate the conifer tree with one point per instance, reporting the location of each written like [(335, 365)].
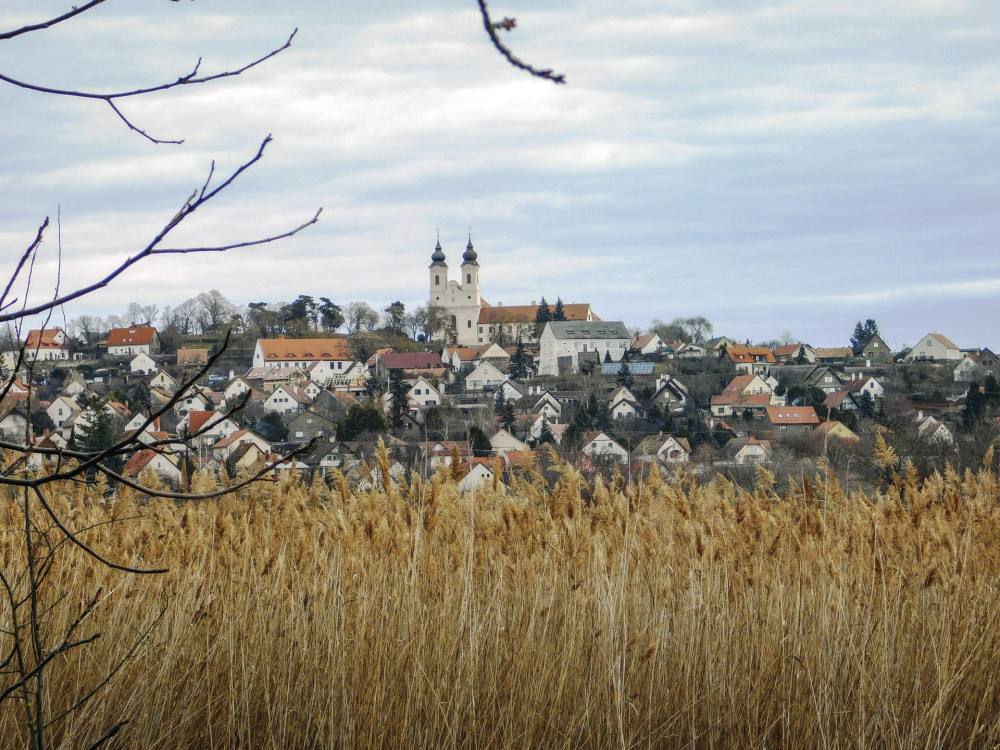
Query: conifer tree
[(560, 312), (519, 362)]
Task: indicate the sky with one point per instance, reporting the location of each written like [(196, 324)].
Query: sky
[(777, 167)]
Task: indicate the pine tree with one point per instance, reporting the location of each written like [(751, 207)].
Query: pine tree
[(545, 436), (519, 362), (560, 312), (625, 376), (399, 391), (866, 405), (542, 316), (544, 313)]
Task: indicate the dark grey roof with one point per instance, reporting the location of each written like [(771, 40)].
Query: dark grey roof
[(596, 329), (469, 256), (438, 255)]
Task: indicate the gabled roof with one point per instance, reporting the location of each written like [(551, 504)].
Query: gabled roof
[(750, 354), (797, 415), (133, 336), (944, 340), (566, 329), (44, 339), (198, 419), (298, 350)]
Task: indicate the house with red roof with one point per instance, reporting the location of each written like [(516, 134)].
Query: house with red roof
[(751, 360), (46, 345), (744, 392), (790, 420), (127, 342)]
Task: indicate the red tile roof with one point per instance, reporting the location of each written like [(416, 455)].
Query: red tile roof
[(296, 350), (134, 336), (798, 415), (526, 313)]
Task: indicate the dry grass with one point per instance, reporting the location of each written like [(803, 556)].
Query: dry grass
[(664, 614)]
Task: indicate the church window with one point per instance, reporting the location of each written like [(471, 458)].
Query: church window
[(437, 279), (470, 323), (468, 278)]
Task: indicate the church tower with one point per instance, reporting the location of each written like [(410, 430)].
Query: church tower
[(470, 274), (439, 275), (459, 299)]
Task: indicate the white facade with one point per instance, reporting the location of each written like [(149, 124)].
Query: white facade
[(458, 298), (572, 338), (422, 393), (484, 377), (142, 364), (934, 346)]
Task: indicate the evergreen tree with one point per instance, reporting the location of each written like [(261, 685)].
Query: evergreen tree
[(545, 436), (97, 432), (544, 313), (361, 418), (542, 316), (479, 443), (560, 312), (625, 376), (398, 389), (504, 409), (519, 362), (975, 400), (866, 405)]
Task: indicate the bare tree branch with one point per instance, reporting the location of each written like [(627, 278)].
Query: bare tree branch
[(75, 11), (508, 24), (109, 98), (191, 205)]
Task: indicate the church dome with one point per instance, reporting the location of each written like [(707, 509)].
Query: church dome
[(438, 255), (469, 256)]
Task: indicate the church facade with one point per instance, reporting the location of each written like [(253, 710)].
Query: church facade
[(459, 299)]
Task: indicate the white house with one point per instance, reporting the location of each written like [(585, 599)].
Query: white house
[(503, 441), (142, 364), (667, 449), (61, 409), (46, 345), (600, 445), (162, 463), (486, 376), (287, 399), (127, 342), (301, 353), (222, 449), (422, 393), (549, 406), (934, 347), (566, 340), (164, 380), (480, 475), (623, 404)]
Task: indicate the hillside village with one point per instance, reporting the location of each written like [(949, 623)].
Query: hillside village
[(489, 391)]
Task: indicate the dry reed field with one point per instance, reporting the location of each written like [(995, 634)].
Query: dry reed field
[(657, 614)]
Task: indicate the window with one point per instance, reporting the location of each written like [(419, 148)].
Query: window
[(437, 280), (470, 324), (468, 278)]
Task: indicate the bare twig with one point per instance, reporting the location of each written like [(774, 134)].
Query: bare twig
[(508, 24), (110, 98), (152, 248)]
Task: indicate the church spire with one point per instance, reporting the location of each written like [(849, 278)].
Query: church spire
[(470, 255), (438, 255)]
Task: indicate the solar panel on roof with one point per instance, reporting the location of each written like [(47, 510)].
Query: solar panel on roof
[(637, 368)]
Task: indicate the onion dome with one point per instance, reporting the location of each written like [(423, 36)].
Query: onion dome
[(438, 255), (469, 256)]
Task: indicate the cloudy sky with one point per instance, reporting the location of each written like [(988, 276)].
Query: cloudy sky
[(773, 166)]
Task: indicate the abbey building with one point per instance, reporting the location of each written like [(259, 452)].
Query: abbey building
[(471, 321)]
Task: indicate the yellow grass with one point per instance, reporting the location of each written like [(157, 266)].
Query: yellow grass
[(664, 614)]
